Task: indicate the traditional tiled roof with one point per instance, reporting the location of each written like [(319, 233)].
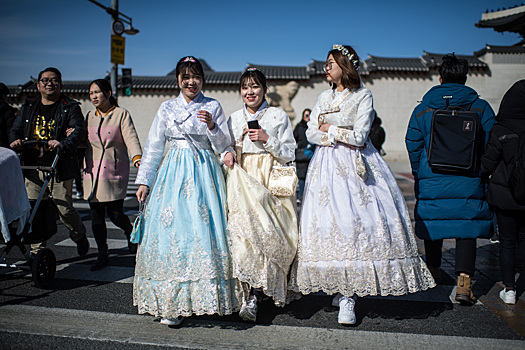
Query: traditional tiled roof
[(433, 60), (373, 64), (507, 20), (517, 48), (282, 72), (376, 63)]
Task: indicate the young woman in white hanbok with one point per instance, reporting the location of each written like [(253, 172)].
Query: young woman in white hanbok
[(356, 237), (263, 227), (183, 260)]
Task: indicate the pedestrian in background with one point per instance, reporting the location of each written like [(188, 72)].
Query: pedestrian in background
[(183, 260), (301, 159), (449, 206), (46, 118), (7, 116), (504, 149), (263, 227), (355, 237), (113, 141), (377, 134)]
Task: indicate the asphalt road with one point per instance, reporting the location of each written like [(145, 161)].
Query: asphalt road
[(93, 310)]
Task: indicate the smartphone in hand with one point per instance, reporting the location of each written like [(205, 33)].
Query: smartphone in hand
[(253, 124)]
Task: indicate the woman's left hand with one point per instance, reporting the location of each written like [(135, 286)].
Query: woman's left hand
[(206, 117), (137, 164), (325, 127), (258, 135), (69, 131)]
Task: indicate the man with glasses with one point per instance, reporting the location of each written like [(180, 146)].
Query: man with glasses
[(46, 118)]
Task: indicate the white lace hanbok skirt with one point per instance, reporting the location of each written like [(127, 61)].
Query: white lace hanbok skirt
[(263, 229), (355, 237)]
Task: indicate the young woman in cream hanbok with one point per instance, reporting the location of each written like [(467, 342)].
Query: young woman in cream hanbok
[(183, 260), (356, 237), (263, 227)]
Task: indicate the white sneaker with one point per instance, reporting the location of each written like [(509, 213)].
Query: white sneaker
[(336, 300), (508, 296), (172, 321), (346, 311), (249, 310)]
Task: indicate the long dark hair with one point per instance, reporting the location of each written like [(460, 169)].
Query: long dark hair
[(350, 79), (190, 64), (106, 89)]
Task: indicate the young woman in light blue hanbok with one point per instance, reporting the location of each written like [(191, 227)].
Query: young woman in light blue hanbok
[(183, 260)]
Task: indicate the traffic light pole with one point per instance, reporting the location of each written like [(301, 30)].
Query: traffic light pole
[(117, 28), (114, 66)]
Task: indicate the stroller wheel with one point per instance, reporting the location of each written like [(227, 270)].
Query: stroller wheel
[(43, 268)]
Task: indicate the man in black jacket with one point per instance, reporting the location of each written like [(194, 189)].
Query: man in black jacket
[(7, 116), (46, 118)]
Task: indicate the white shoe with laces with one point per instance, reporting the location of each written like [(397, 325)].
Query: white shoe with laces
[(508, 296), (346, 311), (172, 321)]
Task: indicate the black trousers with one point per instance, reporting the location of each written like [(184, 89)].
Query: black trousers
[(115, 213), (465, 254), (511, 228)]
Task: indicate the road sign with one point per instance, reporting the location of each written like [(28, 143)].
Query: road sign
[(118, 44), (118, 27)]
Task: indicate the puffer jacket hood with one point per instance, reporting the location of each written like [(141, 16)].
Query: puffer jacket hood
[(461, 95)]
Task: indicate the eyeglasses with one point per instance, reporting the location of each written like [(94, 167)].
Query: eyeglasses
[(46, 81), (327, 66)]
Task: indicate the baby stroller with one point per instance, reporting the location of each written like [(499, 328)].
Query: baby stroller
[(37, 226)]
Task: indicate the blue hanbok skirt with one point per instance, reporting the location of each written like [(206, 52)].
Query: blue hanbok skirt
[(183, 261)]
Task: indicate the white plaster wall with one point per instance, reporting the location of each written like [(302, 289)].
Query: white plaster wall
[(395, 98)]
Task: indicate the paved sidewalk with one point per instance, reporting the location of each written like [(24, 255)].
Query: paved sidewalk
[(487, 281)]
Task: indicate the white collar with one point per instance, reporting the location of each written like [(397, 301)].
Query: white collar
[(254, 116), (185, 103)]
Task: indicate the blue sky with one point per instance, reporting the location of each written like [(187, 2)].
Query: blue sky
[(74, 35)]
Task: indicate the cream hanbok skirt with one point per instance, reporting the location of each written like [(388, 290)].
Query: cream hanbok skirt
[(263, 228)]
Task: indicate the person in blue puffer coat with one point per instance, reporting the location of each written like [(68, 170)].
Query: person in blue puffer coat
[(449, 206)]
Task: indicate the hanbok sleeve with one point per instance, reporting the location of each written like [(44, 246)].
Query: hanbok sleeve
[(282, 146), (153, 150), (313, 134), (220, 136), (231, 146), (362, 124)]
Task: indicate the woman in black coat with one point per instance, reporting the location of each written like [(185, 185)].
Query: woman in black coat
[(498, 161), (301, 159)]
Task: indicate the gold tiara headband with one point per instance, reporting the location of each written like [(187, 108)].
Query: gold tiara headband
[(345, 52)]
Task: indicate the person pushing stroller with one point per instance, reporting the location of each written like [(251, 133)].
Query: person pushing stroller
[(46, 118)]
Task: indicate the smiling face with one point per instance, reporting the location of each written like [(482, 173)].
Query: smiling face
[(252, 94), (334, 73), (190, 84), (49, 86)]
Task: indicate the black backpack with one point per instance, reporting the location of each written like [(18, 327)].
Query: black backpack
[(456, 140)]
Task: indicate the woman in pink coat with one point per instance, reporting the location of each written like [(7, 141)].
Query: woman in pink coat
[(113, 141)]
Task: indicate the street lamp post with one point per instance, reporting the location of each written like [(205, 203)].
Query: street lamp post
[(117, 28)]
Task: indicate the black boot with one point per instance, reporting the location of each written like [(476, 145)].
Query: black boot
[(102, 261)]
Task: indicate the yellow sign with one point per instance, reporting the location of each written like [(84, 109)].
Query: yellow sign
[(118, 44)]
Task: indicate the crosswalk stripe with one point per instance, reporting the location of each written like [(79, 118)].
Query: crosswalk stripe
[(205, 334)]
